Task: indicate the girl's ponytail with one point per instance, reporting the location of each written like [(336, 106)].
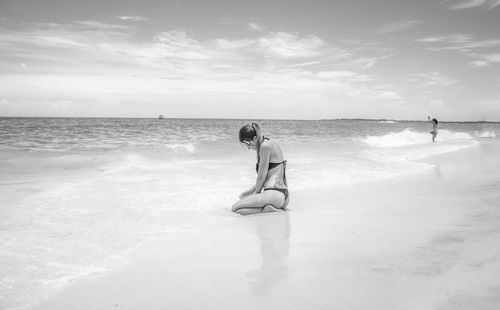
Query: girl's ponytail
[(258, 134)]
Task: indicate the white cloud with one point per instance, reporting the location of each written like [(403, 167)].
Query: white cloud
[(62, 107), (466, 45), (335, 74), (134, 18), (96, 25), (432, 79), (479, 63), (277, 44), (105, 63), (305, 64), (234, 44), (291, 45), (468, 4), (484, 60), (366, 62), (4, 105), (57, 41), (450, 39), (492, 57), (371, 94), (177, 44), (398, 26), (437, 102), (255, 27)]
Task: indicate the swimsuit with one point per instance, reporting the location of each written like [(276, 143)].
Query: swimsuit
[(274, 165), (271, 166)]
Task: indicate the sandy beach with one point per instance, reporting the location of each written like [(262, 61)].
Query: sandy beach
[(428, 241)]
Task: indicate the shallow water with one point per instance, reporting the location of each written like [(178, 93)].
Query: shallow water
[(78, 194)]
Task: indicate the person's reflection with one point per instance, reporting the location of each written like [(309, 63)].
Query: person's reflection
[(274, 235), (437, 170)]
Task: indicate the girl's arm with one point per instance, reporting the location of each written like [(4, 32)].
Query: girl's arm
[(248, 192)]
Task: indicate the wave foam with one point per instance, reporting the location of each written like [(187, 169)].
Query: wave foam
[(486, 134), (181, 147), (412, 137)]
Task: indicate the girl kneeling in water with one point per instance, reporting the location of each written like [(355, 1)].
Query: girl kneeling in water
[(270, 193)]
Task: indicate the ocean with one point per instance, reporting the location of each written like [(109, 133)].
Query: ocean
[(78, 194)]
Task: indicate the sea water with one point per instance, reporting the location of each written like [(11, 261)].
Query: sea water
[(77, 194)]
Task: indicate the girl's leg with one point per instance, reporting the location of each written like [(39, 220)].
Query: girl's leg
[(271, 208), (255, 203)]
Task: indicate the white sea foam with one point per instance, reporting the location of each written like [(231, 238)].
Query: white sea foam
[(387, 122), (411, 137), (86, 226), (182, 147), (485, 134), (313, 173)]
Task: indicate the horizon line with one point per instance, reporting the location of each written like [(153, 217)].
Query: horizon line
[(267, 119)]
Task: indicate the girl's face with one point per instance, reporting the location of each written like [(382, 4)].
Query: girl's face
[(251, 145)]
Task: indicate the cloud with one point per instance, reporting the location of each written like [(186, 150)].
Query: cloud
[(432, 79), (485, 59), (398, 26), (468, 4), (448, 39), (134, 18), (466, 45), (479, 63), (491, 57), (305, 64), (92, 25), (437, 102), (461, 42), (255, 27), (102, 62), (291, 45), (277, 44), (177, 44), (235, 44)]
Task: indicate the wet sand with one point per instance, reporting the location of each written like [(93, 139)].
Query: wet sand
[(429, 241)]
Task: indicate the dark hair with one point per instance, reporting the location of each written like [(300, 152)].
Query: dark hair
[(248, 132), (435, 121)]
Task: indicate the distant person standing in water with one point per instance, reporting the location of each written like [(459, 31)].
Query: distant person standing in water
[(270, 192), (434, 131)]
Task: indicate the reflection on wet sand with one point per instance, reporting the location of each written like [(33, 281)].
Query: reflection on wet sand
[(273, 232)]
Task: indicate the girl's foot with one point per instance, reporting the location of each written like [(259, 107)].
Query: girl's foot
[(270, 208)]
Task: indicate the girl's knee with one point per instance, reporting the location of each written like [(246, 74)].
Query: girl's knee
[(235, 208), (238, 205)]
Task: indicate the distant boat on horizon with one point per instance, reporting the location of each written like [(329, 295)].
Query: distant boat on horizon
[(160, 116)]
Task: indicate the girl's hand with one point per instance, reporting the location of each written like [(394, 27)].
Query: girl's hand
[(246, 193)]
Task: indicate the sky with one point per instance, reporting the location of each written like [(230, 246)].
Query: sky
[(398, 59)]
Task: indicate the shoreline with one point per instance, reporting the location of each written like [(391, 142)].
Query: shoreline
[(406, 243)]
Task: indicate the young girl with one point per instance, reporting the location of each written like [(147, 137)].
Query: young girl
[(270, 192), (434, 131)]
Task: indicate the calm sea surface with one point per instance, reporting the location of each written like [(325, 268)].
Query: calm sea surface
[(77, 194)]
